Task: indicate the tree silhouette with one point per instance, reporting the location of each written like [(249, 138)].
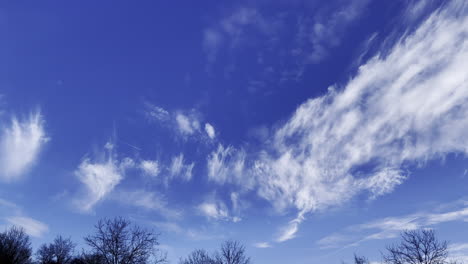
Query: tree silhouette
[(417, 247), (360, 259), (15, 247), (58, 252), (199, 256), (120, 242), (232, 252)]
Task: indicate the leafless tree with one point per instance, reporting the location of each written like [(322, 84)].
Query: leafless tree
[(360, 260), (198, 256), (120, 242), (417, 247), (86, 258), (232, 252), (15, 247), (58, 252)]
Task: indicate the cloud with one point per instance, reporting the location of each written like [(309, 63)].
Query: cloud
[(400, 109), (187, 125), (215, 210), (212, 39), (156, 112), (458, 252), (231, 30), (290, 230), (20, 145), (148, 201), (179, 169), (210, 131), (150, 167), (100, 177), (262, 245), (390, 227), (226, 164), (13, 214), (326, 30), (31, 226)]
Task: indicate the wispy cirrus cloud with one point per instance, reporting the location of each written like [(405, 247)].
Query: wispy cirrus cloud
[(147, 200), (391, 227), (150, 167), (12, 215), (404, 106), (100, 176), (215, 209), (180, 169), (31, 226), (20, 144), (187, 124), (262, 245)]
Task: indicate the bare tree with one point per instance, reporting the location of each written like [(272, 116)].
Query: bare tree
[(417, 247), (232, 252), (198, 256), (120, 242), (15, 247), (86, 258), (360, 260), (58, 252)]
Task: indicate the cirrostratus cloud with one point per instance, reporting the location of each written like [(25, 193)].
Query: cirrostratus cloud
[(405, 107)]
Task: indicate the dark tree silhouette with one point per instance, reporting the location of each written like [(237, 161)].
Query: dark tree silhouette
[(198, 256), (86, 258), (120, 242), (232, 252), (58, 252), (15, 247), (417, 247), (360, 260)]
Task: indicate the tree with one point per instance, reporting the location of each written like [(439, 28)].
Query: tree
[(360, 260), (15, 247), (232, 252), (58, 252), (120, 242), (417, 247), (86, 258), (198, 256)]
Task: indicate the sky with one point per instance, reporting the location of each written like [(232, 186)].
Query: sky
[(307, 130)]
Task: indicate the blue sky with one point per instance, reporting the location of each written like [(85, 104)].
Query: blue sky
[(307, 130)]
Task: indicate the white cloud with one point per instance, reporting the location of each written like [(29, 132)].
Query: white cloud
[(210, 131), (290, 230), (157, 112), (327, 30), (148, 201), (180, 169), (150, 167), (391, 227), (12, 214), (227, 164), (186, 124), (20, 145), (262, 245), (31, 226), (405, 107), (100, 177), (216, 210)]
